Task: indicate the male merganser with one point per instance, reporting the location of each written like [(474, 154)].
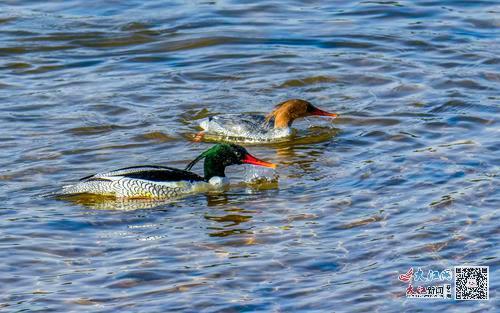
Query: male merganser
[(149, 181), (259, 128)]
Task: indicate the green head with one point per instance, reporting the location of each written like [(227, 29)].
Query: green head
[(222, 155)]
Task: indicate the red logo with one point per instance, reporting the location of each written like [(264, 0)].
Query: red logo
[(406, 277)]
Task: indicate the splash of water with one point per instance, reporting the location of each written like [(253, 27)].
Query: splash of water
[(255, 175)]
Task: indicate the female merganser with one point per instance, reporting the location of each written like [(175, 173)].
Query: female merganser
[(259, 128), (163, 182)]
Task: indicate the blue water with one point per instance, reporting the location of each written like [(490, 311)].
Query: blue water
[(406, 177)]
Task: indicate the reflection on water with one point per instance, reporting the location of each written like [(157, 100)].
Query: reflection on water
[(99, 202), (406, 176), (229, 223)]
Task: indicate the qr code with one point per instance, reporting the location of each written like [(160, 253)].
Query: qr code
[(471, 283)]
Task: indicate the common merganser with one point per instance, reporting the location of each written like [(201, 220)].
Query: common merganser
[(150, 181), (259, 128)]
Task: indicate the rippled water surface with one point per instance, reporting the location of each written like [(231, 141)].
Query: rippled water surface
[(408, 176)]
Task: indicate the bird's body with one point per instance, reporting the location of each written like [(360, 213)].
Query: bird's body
[(260, 128), (162, 182), (248, 127), (140, 182)]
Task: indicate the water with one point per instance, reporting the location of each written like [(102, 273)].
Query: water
[(408, 176)]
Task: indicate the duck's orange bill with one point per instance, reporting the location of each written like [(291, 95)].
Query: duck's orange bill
[(322, 113), (250, 159)]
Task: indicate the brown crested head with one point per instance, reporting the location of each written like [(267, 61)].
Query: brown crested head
[(286, 112)]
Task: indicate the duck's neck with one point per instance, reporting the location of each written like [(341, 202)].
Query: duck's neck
[(213, 167), (282, 119)]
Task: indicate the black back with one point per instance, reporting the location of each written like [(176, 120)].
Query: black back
[(149, 172)]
